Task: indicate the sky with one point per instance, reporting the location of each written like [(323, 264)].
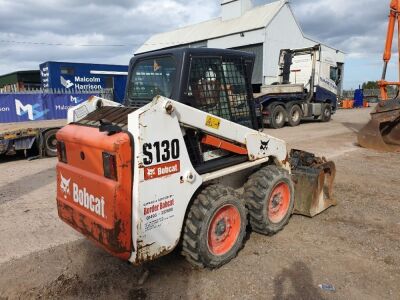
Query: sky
[(107, 31)]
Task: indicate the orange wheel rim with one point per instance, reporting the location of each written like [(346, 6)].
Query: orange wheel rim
[(278, 202), (224, 230)]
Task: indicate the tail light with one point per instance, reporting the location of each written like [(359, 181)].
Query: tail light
[(61, 152), (109, 166)]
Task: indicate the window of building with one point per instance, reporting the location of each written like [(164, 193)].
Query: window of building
[(67, 71)]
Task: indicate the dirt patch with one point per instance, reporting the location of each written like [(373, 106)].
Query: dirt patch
[(354, 246)]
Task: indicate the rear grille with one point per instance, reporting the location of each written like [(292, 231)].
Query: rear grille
[(115, 115)]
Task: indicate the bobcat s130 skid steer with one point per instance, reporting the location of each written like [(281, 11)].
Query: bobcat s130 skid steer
[(182, 163)]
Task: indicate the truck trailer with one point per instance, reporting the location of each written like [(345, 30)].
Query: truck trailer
[(29, 121), (310, 81)]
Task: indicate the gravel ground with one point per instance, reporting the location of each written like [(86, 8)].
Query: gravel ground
[(354, 246)]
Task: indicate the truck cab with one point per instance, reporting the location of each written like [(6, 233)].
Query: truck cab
[(309, 82)]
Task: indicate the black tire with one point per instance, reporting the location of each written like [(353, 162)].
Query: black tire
[(198, 244), (326, 112), (50, 142), (294, 115), (258, 192), (278, 117)]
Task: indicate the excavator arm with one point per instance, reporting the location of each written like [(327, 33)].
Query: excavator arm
[(382, 133), (394, 16)]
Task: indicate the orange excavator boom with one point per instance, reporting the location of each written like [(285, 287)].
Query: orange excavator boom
[(394, 16), (382, 132)]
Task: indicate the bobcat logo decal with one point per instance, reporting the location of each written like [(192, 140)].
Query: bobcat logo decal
[(151, 172), (264, 146), (64, 185)]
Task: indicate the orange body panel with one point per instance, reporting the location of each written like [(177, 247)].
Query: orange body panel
[(98, 207)]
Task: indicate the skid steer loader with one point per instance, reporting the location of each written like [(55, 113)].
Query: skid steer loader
[(382, 133), (143, 178)]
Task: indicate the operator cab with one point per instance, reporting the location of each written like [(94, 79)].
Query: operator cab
[(216, 81)]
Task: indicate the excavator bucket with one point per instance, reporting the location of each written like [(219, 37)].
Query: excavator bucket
[(313, 178), (382, 133)]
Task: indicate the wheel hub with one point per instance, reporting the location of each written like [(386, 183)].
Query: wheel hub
[(279, 117), (221, 227), (278, 202), (224, 229), (295, 116)]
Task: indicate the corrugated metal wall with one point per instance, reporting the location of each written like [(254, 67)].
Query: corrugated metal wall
[(257, 77)]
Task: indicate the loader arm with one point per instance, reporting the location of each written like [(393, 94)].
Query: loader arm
[(258, 144)]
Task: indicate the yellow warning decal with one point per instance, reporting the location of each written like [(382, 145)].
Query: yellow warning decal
[(213, 122)]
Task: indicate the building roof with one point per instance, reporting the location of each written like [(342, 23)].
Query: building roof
[(23, 72), (256, 18), (29, 76)]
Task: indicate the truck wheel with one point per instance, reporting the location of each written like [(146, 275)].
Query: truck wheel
[(269, 195), (50, 142), (326, 112), (278, 117), (294, 115), (215, 227)]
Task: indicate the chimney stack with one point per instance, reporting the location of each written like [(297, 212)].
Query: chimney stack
[(234, 8)]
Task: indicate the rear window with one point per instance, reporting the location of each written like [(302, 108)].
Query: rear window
[(152, 77)]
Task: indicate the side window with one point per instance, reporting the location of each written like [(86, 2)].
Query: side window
[(67, 71), (219, 87), (333, 73)]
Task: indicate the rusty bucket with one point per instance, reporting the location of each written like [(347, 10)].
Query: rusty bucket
[(313, 178), (382, 133)]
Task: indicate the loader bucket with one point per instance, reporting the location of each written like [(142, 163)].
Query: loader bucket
[(382, 133), (313, 178)]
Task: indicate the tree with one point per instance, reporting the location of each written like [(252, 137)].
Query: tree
[(370, 85)]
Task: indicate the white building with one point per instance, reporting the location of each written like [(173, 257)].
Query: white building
[(263, 30)]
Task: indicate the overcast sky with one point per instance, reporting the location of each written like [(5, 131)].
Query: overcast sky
[(107, 31)]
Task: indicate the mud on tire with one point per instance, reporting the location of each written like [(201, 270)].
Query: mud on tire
[(215, 227), (269, 196)]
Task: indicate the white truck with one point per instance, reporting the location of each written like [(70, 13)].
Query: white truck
[(310, 80)]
